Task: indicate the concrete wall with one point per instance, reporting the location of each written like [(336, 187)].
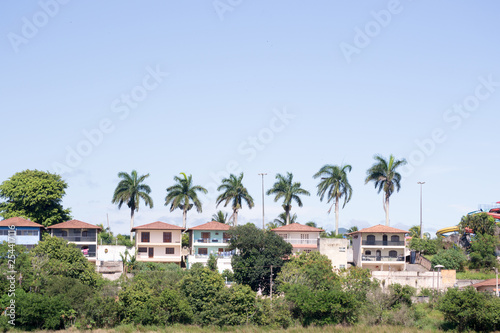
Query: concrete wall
[(112, 252), (419, 280), (336, 250)]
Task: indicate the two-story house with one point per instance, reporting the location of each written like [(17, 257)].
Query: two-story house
[(158, 242), (379, 248), (20, 231), (302, 237), (82, 234), (210, 238)]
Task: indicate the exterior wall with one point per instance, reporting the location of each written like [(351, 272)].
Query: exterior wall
[(216, 236), (336, 250), (158, 246), (419, 280), (20, 234), (297, 239), (379, 238), (74, 236), (113, 252), (222, 263), (356, 250), (382, 262), (213, 244)]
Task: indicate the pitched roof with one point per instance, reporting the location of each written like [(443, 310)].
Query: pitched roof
[(74, 224), (19, 222), (157, 226), (379, 228), (297, 227), (486, 283), (211, 226)]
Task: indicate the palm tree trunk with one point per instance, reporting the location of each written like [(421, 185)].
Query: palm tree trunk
[(235, 213), (287, 210), (336, 216), (131, 222), (184, 215), (386, 208)]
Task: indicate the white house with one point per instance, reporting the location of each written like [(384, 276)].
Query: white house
[(302, 237)]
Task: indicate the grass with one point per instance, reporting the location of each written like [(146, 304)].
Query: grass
[(475, 275)]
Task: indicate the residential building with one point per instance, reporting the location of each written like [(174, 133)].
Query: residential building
[(336, 249), (379, 248), (158, 242), (489, 286), (20, 231), (302, 237), (210, 238), (82, 234)]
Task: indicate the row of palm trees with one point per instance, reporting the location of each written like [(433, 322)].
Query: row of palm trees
[(333, 186)]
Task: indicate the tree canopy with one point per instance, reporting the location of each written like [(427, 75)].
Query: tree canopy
[(35, 195)]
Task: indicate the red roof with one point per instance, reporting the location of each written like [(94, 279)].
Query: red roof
[(157, 226), (486, 283), (19, 222), (211, 226), (74, 224), (297, 227), (379, 228)]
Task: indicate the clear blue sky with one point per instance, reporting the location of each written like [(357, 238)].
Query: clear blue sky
[(348, 80)]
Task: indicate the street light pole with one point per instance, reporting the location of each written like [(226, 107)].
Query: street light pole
[(263, 223), (421, 228)]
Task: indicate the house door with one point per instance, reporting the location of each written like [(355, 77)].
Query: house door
[(206, 237), (304, 238), (384, 239), (151, 252), (379, 255)]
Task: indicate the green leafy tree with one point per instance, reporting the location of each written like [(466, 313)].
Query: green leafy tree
[(105, 237), (451, 259), (35, 195), (481, 223), (220, 217), (233, 191), (258, 250), (482, 251), (425, 245), (130, 190), (352, 229), (212, 262), (383, 173), (182, 194), (334, 185), (284, 188)]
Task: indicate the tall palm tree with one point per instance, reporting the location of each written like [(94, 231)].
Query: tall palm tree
[(131, 190), (182, 194), (285, 188), (334, 185), (236, 193), (385, 176), (220, 216), (352, 229)]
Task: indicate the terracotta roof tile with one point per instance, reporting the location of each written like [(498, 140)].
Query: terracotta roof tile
[(157, 226), (297, 227), (19, 222), (74, 224), (379, 228), (486, 283), (211, 226)]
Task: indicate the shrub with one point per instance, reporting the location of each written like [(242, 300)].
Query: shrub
[(451, 259)]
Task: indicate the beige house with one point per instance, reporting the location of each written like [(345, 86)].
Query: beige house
[(379, 248), (336, 250), (489, 286), (302, 237), (158, 242)]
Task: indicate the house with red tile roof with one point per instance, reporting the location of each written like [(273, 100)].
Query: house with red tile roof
[(490, 286), (20, 231), (158, 242), (302, 237), (380, 248), (210, 238), (82, 234)]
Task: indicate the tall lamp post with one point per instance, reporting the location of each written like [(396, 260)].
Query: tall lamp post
[(421, 228), (263, 223)]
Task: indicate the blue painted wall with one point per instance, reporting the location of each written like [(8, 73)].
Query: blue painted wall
[(21, 237)]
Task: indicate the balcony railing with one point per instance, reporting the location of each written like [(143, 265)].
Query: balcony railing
[(213, 240), (90, 255), (383, 243), (227, 254), (382, 258), (79, 238), (301, 241)]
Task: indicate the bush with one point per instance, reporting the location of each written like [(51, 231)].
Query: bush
[(36, 311), (451, 259)]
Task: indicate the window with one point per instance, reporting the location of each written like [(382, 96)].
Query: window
[(226, 237), (394, 238), (26, 232), (203, 250), (284, 236), (304, 238), (342, 266), (368, 252), (341, 249), (4, 232), (370, 240), (307, 251), (143, 250), (393, 254), (169, 250), (64, 233), (85, 233), (205, 236), (167, 237), (145, 237), (221, 250)]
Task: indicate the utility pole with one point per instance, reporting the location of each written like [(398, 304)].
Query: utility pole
[(271, 284), (421, 227), (263, 222)]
